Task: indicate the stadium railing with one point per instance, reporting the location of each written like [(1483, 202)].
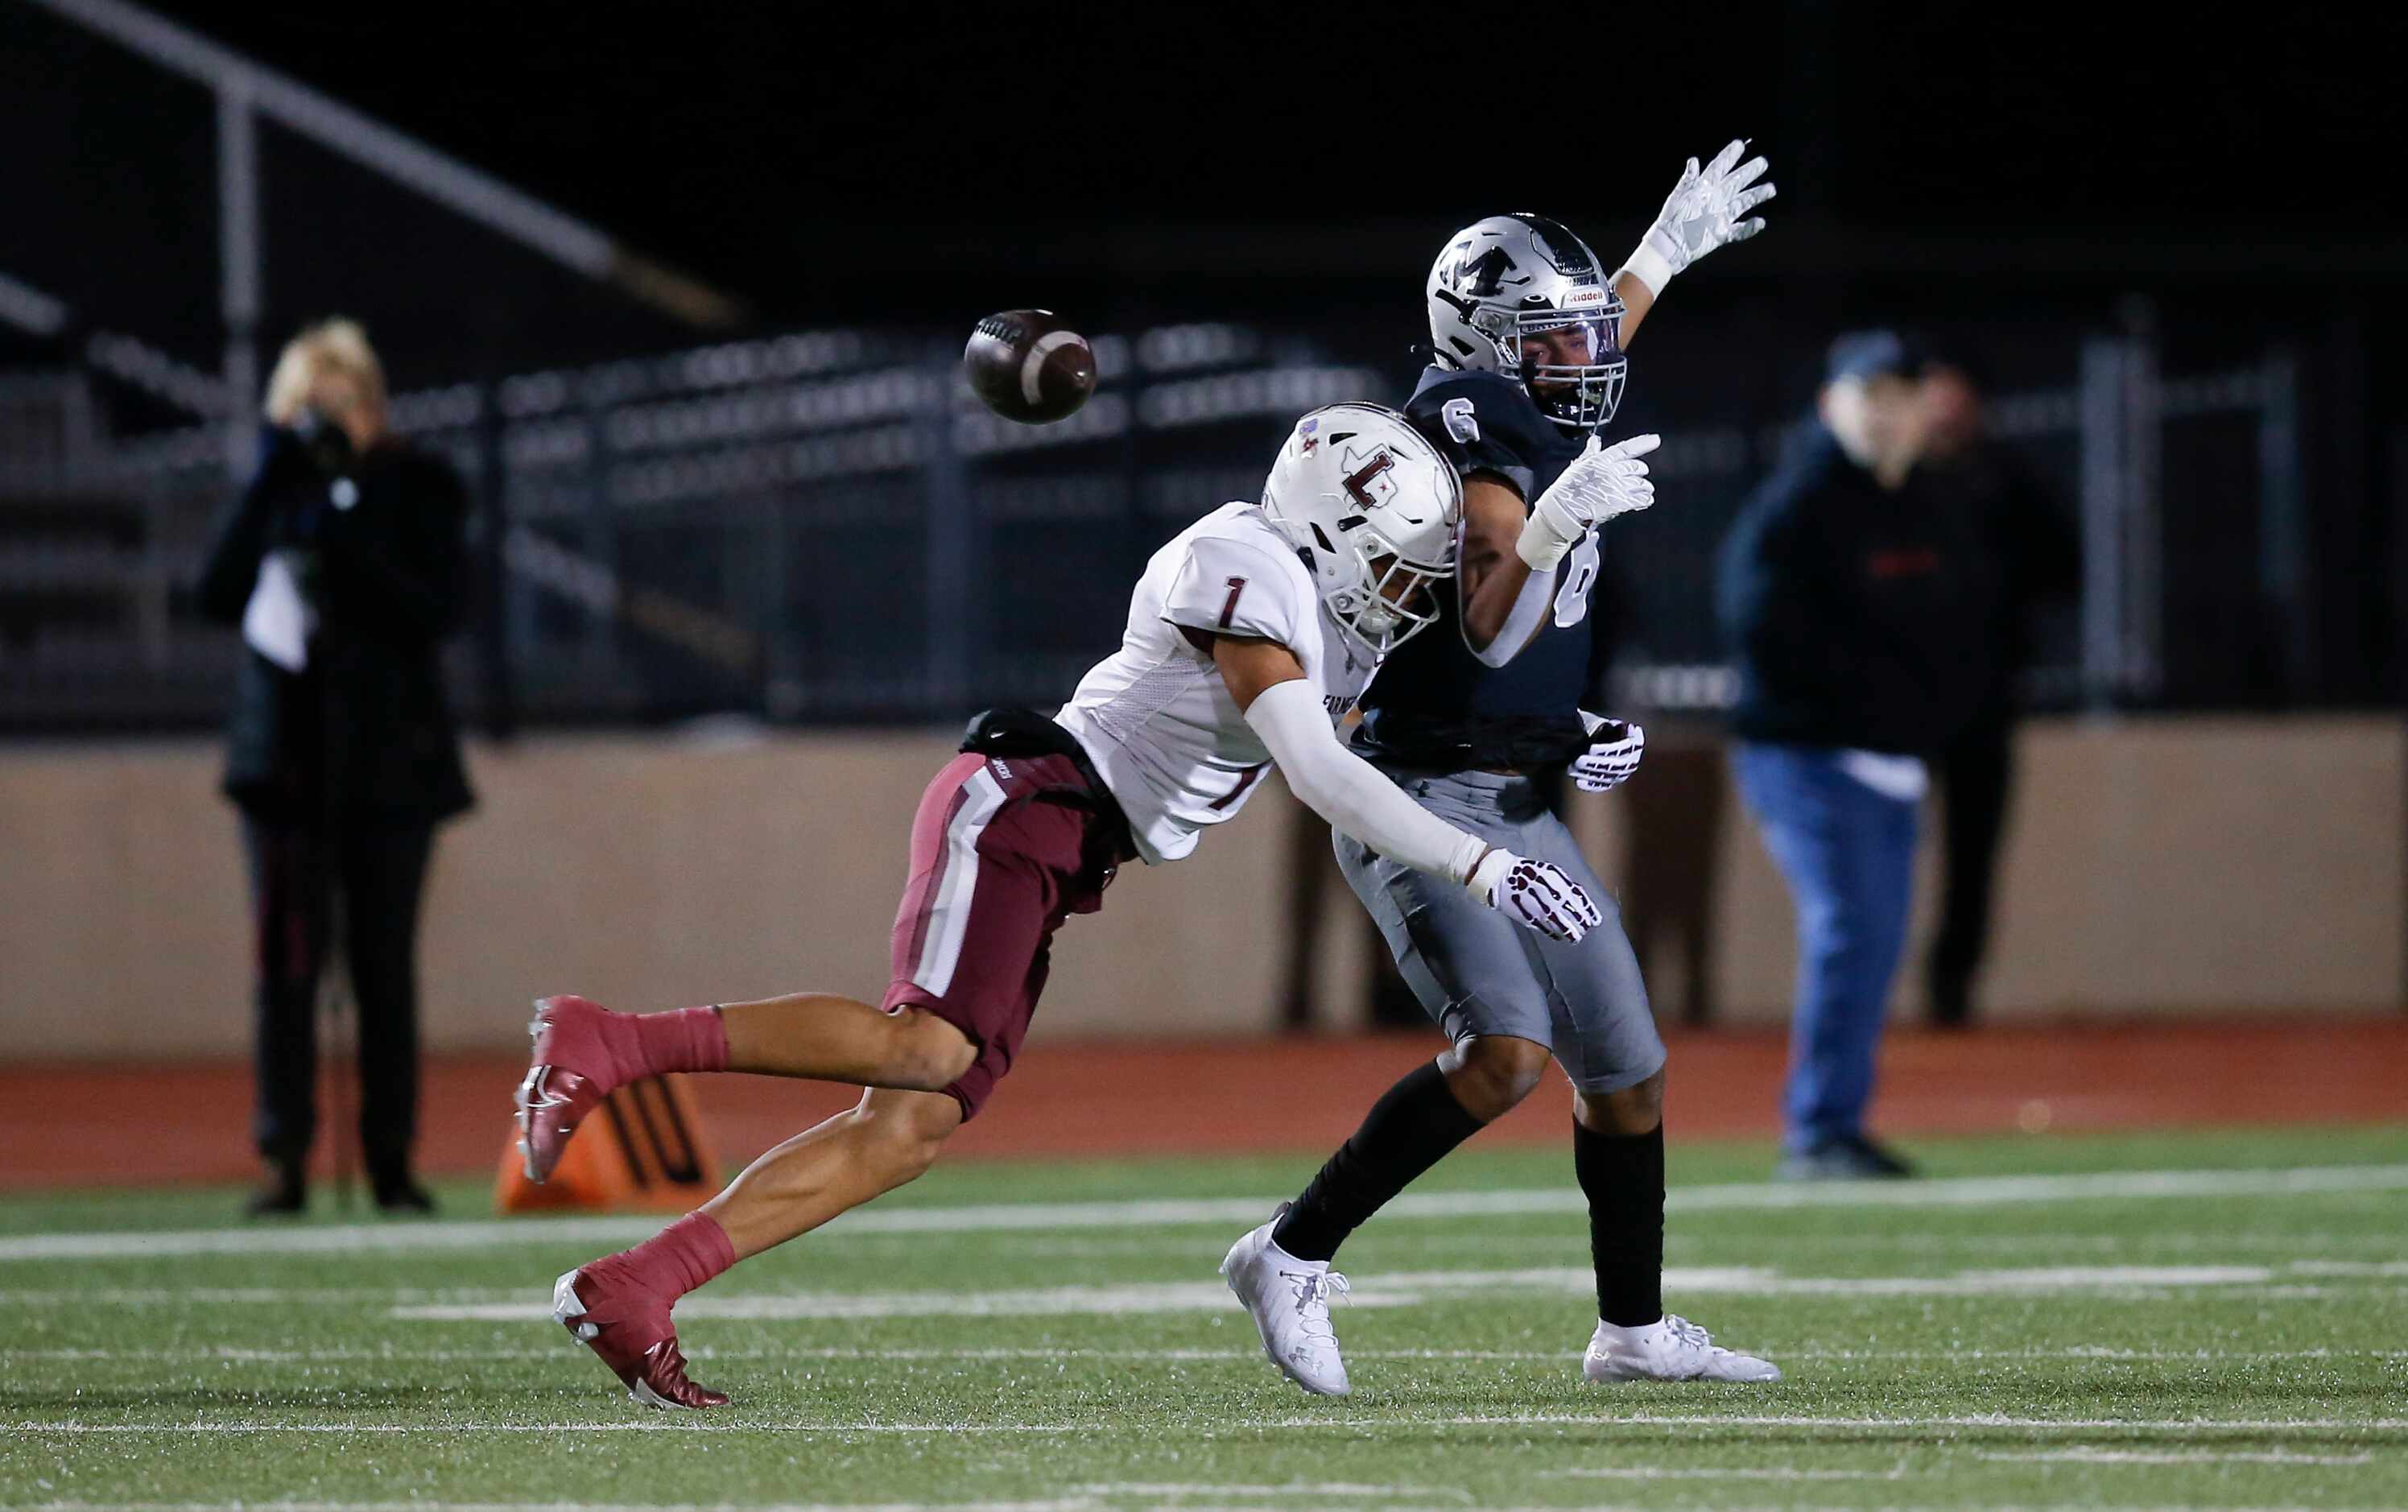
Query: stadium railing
[(824, 527)]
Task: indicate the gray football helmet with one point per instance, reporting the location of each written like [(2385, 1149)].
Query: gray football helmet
[(1511, 283)]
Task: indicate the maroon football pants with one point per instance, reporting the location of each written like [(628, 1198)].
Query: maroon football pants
[(1003, 850)]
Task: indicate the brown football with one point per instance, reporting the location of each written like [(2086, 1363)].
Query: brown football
[(1027, 366)]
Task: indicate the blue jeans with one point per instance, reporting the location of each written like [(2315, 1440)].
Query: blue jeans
[(1848, 855)]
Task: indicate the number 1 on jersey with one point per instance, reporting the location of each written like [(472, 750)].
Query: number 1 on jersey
[(1229, 609)]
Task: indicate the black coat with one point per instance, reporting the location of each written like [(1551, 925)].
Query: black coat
[(1856, 617), (364, 732), (2026, 530)]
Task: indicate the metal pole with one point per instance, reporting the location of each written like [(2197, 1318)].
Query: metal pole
[(2144, 603), (2282, 519), (774, 593), (238, 262), (494, 645), (597, 648), (406, 161), (2103, 479), (2399, 677), (30, 310), (952, 617)]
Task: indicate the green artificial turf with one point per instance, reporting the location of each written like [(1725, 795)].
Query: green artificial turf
[(2047, 1344)]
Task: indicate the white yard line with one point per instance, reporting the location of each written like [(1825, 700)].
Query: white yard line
[(2102, 1356), (663, 1423), (1337, 1420), (1072, 1504), (1078, 1503), (2092, 1425), (1319, 1490), (2089, 1456), (552, 1349), (1075, 1504), (1391, 1290), (1972, 1191), (1397, 1288), (1034, 1301), (1708, 1473), (243, 1296), (1088, 1500)]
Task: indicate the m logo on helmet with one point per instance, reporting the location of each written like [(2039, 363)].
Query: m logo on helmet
[(1372, 475), (1486, 275)]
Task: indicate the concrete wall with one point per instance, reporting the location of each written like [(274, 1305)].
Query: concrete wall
[(2176, 865)]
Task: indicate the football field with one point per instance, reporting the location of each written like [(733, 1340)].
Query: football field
[(2215, 1319)]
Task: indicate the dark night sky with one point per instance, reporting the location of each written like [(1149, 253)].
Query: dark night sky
[(735, 140), (826, 163)]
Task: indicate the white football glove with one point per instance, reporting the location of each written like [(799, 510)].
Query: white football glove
[(1704, 212), (1601, 483), (1539, 895), (1613, 755)]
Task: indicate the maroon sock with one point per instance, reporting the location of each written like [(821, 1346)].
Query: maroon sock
[(684, 1039), (681, 1256)]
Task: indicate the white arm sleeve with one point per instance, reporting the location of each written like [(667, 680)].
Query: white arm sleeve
[(1350, 792), (1522, 621)]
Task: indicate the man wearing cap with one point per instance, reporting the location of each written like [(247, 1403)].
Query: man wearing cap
[(1856, 615)]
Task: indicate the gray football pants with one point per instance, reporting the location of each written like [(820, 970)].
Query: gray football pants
[(1478, 972)]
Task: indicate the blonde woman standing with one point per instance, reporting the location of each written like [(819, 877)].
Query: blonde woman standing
[(344, 562)]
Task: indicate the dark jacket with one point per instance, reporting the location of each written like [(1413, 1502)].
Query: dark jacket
[(1855, 616), (364, 732), (2023, 527)]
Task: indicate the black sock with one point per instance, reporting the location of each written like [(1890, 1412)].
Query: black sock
[(1407, 1131), (1623, 1177)]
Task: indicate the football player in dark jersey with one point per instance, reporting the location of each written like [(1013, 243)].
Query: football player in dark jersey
[(1527, 330)]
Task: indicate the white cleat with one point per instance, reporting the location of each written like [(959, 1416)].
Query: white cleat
[(1290, 1301), (1672, 1349)]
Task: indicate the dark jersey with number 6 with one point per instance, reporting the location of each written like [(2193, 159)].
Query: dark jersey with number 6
[(1434, 704)]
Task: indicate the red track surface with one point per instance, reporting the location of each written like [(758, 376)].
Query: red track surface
[(84, 1124)]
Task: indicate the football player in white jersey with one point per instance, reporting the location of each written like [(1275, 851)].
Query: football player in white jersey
[(1249, 636)]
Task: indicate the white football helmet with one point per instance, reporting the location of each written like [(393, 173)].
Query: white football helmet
[(1371, 508), (1509, 278)]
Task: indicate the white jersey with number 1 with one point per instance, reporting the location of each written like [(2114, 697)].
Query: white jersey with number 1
[(1155, 717)]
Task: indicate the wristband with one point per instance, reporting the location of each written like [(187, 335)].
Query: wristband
[(1544, 541), (1650, 267), (1489, 871)]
